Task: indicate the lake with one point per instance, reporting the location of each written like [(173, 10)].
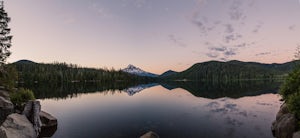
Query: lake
[(175, 109)]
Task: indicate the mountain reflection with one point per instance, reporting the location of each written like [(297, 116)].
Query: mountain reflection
[(210, 90), (135, 89)]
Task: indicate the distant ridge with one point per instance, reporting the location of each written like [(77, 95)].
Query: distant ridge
[(168, 73), (213, 70), (233, 70), (24, 61)]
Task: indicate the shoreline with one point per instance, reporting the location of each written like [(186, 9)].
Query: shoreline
[(32, 122), (285, 124)]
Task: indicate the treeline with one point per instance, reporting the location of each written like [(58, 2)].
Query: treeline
[(31, 73), (229, 71), (68, 90)]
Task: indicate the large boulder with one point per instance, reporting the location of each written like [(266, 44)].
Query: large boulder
[(296, 134), (285, 126), (6, 104), (283, 110), (150, 134), (17, 126), (49, 124), (47, 119), (4, 94), (6, 108), (32, 112)]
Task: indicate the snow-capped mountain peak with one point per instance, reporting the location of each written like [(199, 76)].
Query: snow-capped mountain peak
[(132, 67), (137, 71)]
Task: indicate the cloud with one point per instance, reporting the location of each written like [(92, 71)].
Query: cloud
[(200, 24), (100, 11), (223, 59), (219, 49), (229, 52), (212, 54), (222, 52), (236, 12), (231, 37), (229, 28), (200, 3), (252, 3), (241, 45), (213, 105), (258, 27), (263, 54), (292, 27), (177, 41), (244, 44), (135, 3), (139, 3)]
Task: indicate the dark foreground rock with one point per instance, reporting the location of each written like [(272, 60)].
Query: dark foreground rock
[(150, 134), (32, 112), (285, 124), (6, 104), (4, 94), (6, 107), (296, 134), (283, 110), (17, 126), (47, 120), (28, 125), (44, 124), (49, 124)]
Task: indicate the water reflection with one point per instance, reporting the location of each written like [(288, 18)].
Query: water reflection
[(210, 90), (170, 113), (215, 90), (135, 89)]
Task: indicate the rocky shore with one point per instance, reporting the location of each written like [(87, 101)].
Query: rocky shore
[(150, 134), (285, 125), (30, 123)]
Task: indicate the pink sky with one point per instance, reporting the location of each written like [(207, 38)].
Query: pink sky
[(155, 35)]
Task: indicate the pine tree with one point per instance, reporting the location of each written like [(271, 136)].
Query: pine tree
[(297, 53), (5, 37)]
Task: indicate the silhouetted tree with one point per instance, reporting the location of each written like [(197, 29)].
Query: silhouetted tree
[(5, 37), (297, 53)]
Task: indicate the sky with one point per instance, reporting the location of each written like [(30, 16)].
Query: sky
[(155, 35)]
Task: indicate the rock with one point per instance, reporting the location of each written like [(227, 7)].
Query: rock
[(283, 110), (5, 104), (6, 108), (296, 134), (17, 126), (150, 134), (49, 124), (285, 126), (47, 119), (28, 109), (32, 112), (4, 94)]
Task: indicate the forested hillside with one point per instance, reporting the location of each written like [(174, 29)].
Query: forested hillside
[(233, 70), (30, 72)]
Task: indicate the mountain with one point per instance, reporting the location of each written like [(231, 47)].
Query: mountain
[(137, 71), (233, 70), (168, 73), (24, 61), (57, 73)]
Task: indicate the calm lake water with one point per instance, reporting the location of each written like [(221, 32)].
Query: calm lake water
[(170, 110)]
